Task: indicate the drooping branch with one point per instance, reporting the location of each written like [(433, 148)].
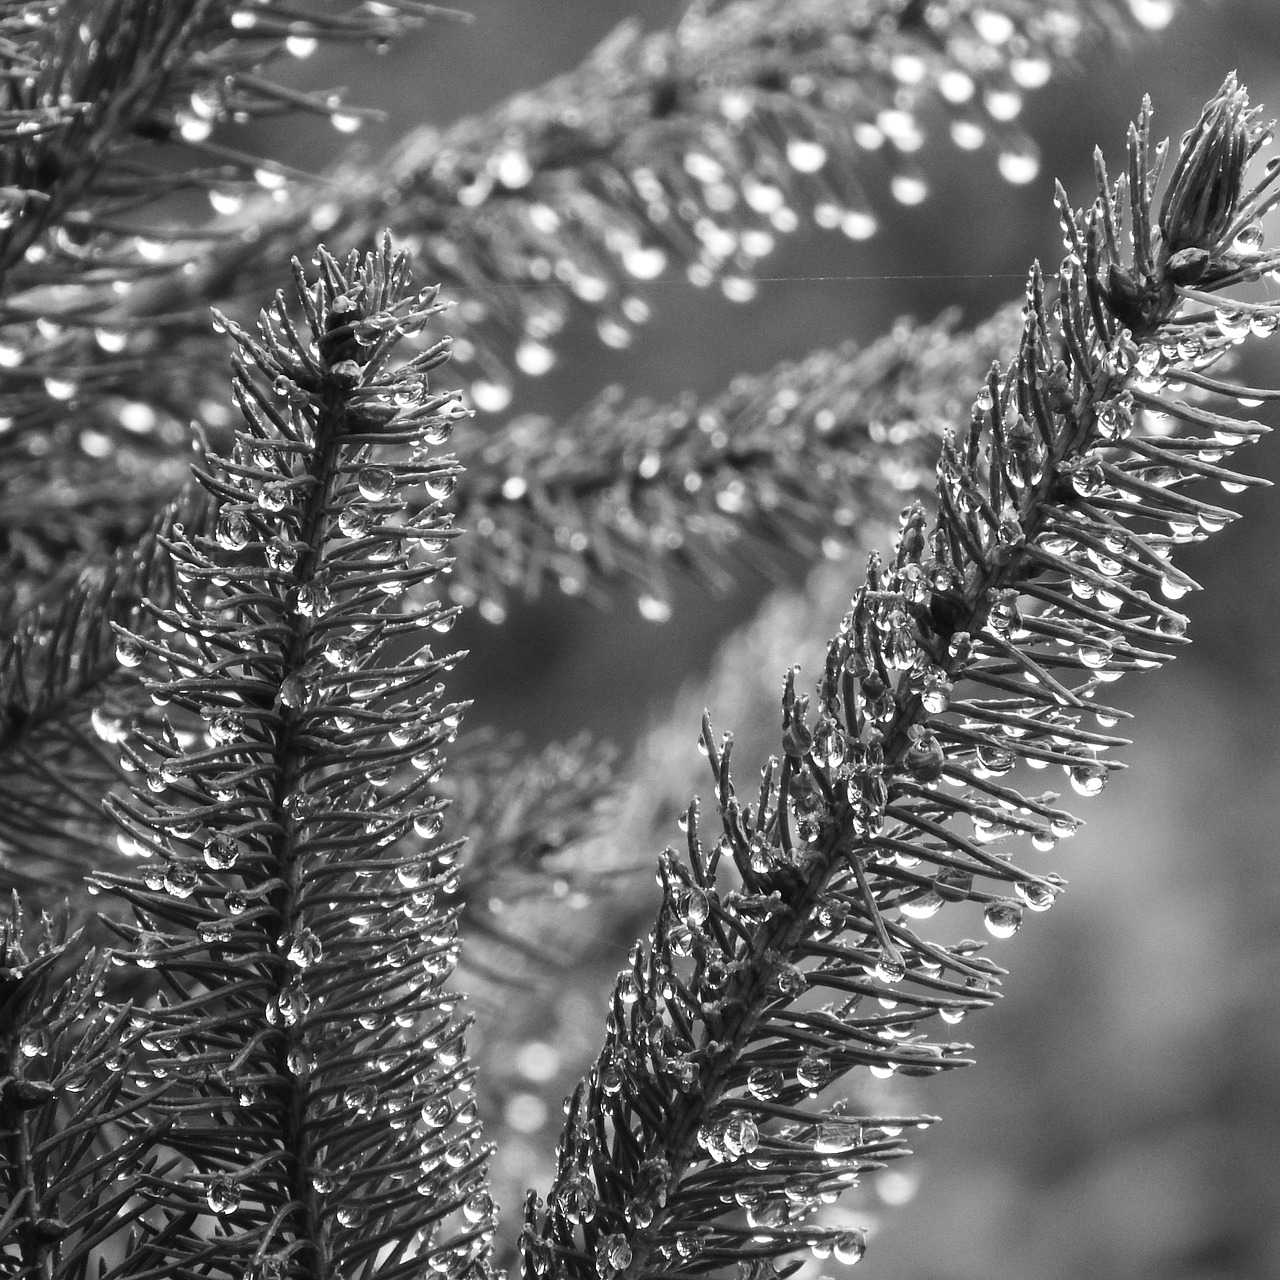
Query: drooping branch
[(688, 150)]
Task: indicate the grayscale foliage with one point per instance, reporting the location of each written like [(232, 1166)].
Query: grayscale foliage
[(249, 839)]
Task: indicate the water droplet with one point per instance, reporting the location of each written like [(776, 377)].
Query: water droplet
[(340, 651), (925, 757), (512, 168), (108, 726), (282, 555), (653, 609), (829, 744), (301, 947), (221, 852), (1155, 15), (1088, 778), (233, 531), (1003, 615), (216, 931), (129, 652), (613, 1253), (890, 967), (223, 1194), (576, 1199), (765, 1082), (908, 188), (312, 599), (535, 358), (836, 1136), (226, 202), (181, 879), (1030, 72), (1018, 165), (478, 1207), (351, 1215), (697, 908), (805, 155), (760, 854), (992, 761), (436, 1113), (274, 496), (1232, 324), (441, 485), (923, 906), (374, 483), (301, 1062), (849, 1247), (859, 224), (490, 397), (147, 949), (1037, 895), (226, 727), (740, 1136), (1003, 919), (360, 1097), (355, 521), (813, 1070), (645, 263), (34, 1043), (791, 981), (61, 388), (296, 692)]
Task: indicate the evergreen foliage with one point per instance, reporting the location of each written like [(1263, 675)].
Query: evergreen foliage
[(224, 709)]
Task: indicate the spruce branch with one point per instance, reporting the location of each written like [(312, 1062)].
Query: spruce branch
[(318, 1114), (69, 1176), (65, 702), (694, 148), (982, 646)]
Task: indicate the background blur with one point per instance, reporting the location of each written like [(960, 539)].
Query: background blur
[(1124, 1118)]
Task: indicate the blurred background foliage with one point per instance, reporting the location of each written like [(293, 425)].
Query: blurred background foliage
[(1123, 1121)]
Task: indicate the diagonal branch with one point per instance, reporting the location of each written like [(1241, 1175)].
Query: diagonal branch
[(980, 648)]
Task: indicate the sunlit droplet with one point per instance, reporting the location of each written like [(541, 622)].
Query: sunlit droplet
[(108, 726), (1002, 919), (1088, 778), (301, 1062), (653, 608), (535, 358), (994, 27), (1155, 15), (223, 1194), (849, 1247), (805, 155), (1018, 166), (908, 188)]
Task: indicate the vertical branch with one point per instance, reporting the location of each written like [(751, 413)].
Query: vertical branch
[(292, 901)]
